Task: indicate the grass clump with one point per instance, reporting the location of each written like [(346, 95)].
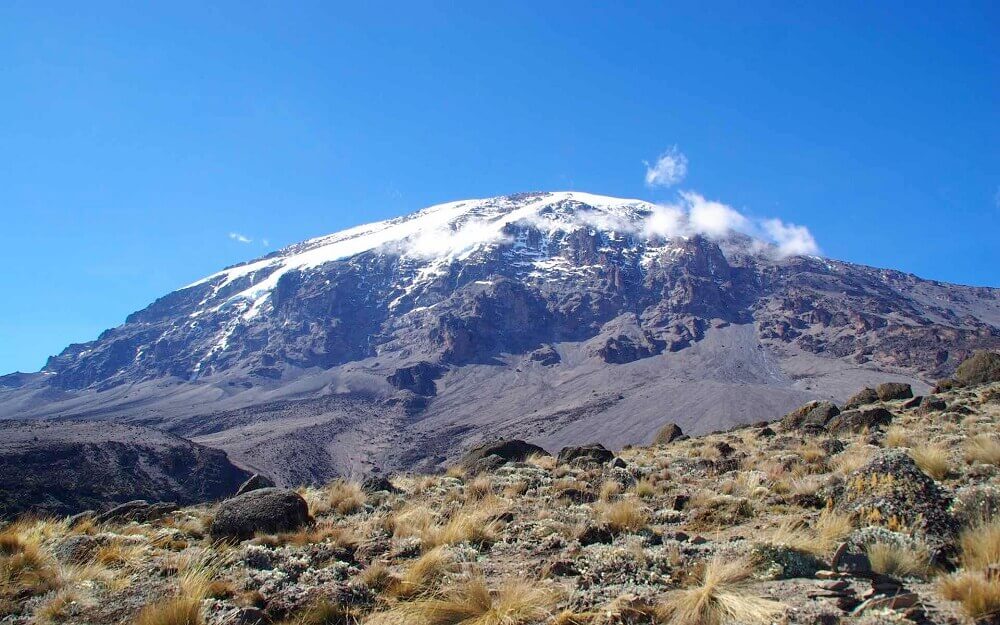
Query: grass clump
[(623, 516), (984, 449), (981, 545), (720, 597), (978, 592), (900, 560), (473, 603), (178, 611), (932, 460)]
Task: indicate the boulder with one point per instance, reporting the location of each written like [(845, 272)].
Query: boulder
[(980, 368), (863, 397), (377, 483), (140, 511), (931, 404), (814, 414), (76, 548), (668, 434), (512, 450), (858, 420), (594, 453), (418, 378), (891, 491), (266, 510), (256, 481), (889, 391)]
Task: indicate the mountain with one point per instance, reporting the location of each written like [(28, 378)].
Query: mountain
[(557, 317)]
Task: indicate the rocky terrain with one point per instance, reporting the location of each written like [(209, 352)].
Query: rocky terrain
[(881, 509), (59, 467), (559, 318)]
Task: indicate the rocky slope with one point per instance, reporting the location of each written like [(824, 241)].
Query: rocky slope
[(884, 511), (61, 467), (558, 317)]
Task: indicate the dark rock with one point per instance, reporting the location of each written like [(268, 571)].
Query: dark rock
[(594, 453), (256, 481), (980, 368), (932, 404), (377, 483), (596, 534), (140, 511), (577, 495), (680, 502), (266, 510), (725, 449), (832, 446), (618, 463), (858, 420), (889, 391), (668, 434), (512, 450), (913, 402), (76, 548), (545, 355), (80, 517), (861, 398), (766, 432), (418, 378), (814, 413), (852, 562), (488, 464)]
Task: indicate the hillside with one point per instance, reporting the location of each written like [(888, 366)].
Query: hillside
[(883, 512)]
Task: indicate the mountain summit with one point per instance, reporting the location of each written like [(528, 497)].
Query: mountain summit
[(561, 317)]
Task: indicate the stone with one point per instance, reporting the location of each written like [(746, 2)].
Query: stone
[(889, 391), (510, 450), (863, 397), (813, 414), (855, 421), (895, 602), (139, 510), (377, 483), (254, 482), (980, 368), (76, 548), (595, 534), (595, 453), (267, 510), (932, 404), (668, 434)]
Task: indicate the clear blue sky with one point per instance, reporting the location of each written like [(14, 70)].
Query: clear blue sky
[(134, 139)]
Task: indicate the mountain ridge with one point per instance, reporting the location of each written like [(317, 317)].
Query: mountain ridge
[(569, 315)]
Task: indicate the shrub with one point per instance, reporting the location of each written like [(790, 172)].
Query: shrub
[(721, 597)]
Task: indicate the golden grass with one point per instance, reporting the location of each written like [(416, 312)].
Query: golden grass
[(932, 460), (981, 545), (179, 611), (900, 561), (609, 489), (721, 597), (474, 523), (897, 436), (984, 449), (646, 488), (327, 613), (425, 572), (25, 569), (472, 602), (345, 497), (479, 487), (979, 593), (120, 555), (625, 515), (57, 608), (542, 461), (852, 458)]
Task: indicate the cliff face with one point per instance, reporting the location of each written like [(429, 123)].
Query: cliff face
[(67, 467)]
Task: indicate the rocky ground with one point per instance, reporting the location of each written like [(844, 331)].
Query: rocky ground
[(884, 510)]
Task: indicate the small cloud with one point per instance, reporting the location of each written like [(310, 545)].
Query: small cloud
[(240, 238), (265, 243), (714, 219), (668, 170), (790, 239)]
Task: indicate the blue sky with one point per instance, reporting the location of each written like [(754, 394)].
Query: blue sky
[(135, 139)]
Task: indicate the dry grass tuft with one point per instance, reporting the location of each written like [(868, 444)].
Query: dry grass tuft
[(984, 449), (721, 597), (345, 497), (646, 488), (981, 546), (900, 561), (327, 613), (897, 436), (979, 593), (852, 458), (932, 460), (180, 611), (473, 603), (625, 515), (542, 461), (425, 572)]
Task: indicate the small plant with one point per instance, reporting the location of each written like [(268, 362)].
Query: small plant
[(720, 597), (179, 611), (625, 515), (900, 560), (984, 449), (897, 436), (978, 591), (473, 603), (981, 545), (932, 460)]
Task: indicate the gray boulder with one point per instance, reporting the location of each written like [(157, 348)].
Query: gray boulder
[(513, 450), (266, 510), (668, 434), (594, 453), (858, 420), (893, 390), (815, 414), (255, 482), (863, 397), (980, 368)]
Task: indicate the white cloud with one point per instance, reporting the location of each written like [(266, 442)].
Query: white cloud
[(790, 239), (240, 238), (669, 169), (714, 219), (665, 222)]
